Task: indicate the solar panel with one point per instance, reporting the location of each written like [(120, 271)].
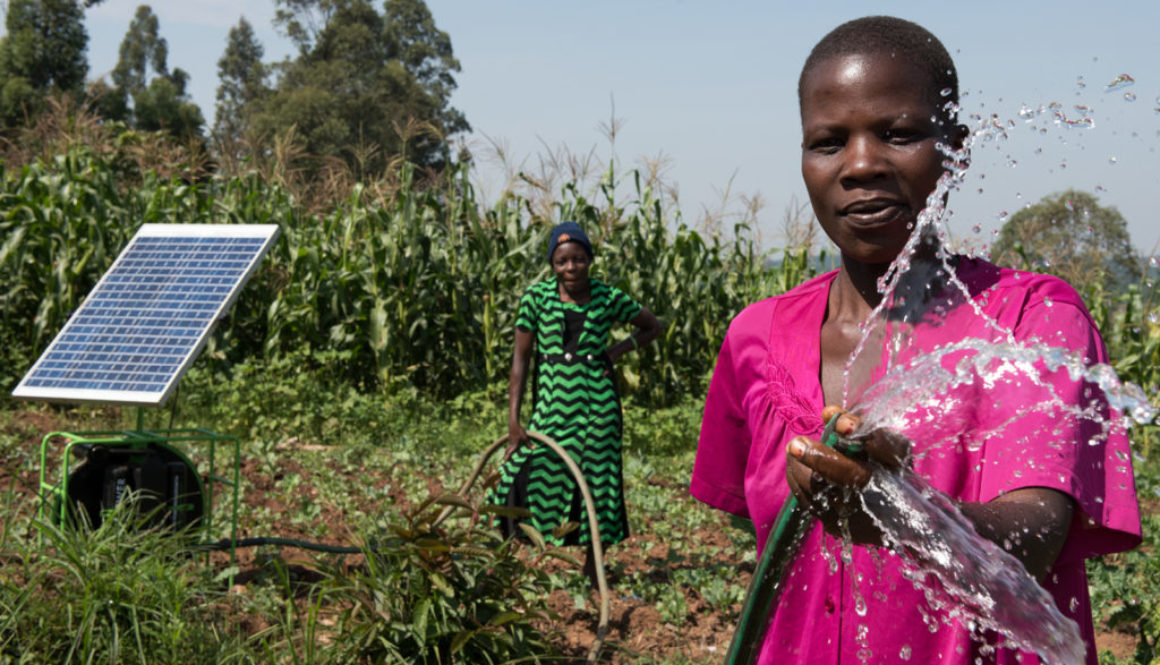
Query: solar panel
[(150, 314)]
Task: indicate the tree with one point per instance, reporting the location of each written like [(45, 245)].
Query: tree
[(243, 83), (425, 51), (164, 105), (43, 53), (366, 87), (158, 96), (1072, 236)]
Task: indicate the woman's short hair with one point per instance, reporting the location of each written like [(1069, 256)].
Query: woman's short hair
[(872, 35)]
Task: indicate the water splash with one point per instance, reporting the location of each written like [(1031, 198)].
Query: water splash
[(964, 577), (925, 383), (968, 578)]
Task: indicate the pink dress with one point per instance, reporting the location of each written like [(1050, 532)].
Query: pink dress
[(766, 390)]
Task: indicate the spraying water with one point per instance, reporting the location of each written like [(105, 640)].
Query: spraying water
[(964, 577)]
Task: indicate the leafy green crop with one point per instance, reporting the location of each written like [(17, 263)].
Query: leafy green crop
[(418, 288)]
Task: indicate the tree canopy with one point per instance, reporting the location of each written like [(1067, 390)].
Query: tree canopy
[(242, 84), (42, 53), (367, 87), (144, 93), (1072, 236)]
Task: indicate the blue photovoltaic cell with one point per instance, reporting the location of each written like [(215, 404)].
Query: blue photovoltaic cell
[(145, 321)]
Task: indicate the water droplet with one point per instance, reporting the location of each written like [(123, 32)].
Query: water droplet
[(1154, 317), (904, 652), (1046, 300), (1129, 96), (1073, 604), (1121, 81), (945, 92), (977, 228), (1069, 205), (1112, 160)]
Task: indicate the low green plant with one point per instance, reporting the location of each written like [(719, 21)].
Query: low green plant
[(115, 594), (430, 593)]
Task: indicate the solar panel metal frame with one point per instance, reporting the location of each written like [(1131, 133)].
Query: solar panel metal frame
[(29, 386)]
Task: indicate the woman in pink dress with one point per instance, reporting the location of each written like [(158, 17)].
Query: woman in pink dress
[(1028, 459)]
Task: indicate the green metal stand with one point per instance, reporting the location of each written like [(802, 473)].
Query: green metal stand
[(54, 498)]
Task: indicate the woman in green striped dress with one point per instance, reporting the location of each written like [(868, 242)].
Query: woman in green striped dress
[(564, 323)]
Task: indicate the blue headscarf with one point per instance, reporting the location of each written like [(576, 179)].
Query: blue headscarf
[(568, 232)]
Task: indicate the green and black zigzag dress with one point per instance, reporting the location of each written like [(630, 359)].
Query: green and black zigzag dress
[(578, 407)]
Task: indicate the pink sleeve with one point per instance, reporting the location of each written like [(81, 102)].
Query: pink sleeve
[(723, 448), (1049, 445)]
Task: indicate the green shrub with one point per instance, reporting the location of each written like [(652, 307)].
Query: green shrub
[(115, 594), (443, 594)]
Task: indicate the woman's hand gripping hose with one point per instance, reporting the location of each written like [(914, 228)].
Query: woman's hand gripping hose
[(816, 471)]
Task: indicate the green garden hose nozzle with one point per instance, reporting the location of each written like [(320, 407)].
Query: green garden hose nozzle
[(847, 446)]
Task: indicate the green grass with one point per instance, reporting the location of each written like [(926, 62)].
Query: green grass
[(115, 594)]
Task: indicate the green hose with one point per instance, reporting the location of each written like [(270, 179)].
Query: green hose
[(761, 599)]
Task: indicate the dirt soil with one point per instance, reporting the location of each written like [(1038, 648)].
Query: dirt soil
[(636, 630), (635, 627)]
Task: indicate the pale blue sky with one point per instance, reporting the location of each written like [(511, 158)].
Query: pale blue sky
[(712, 86)]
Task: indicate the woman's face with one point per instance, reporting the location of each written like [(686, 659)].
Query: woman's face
[(868, 151), (570, 263)]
